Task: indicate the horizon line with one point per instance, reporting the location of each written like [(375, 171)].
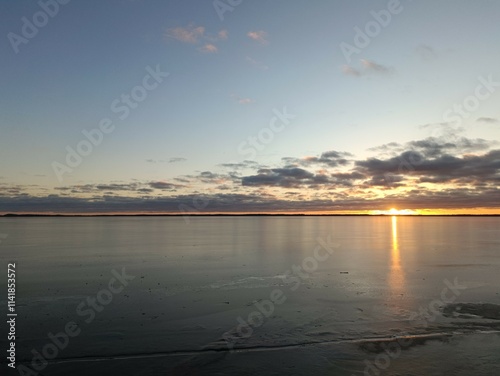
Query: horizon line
[(11, 215)]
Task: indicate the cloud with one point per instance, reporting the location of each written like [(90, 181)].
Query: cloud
[(171, 160), (347, 178), (433, 172), (177, 159), (444, 131), (451, 198), (197, 35), (436, 146), (246, 164), (164, 185), (385, 148), (189, 34), (330, 158), (209, 48), (367, 67), (433, 147), (259, 36), (487, 120), (420, 161), (209, 177), (95, 188), (466, 169), (117, 187), (282, 177)]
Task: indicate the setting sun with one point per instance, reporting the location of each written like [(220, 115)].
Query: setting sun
[(394, 211)]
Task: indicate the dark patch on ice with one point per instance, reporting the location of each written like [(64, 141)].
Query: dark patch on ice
[(376, 346), (472, 310), (474, 326), (459, 265)]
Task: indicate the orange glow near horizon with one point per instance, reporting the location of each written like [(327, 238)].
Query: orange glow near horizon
[(391, 212), (394, 211)]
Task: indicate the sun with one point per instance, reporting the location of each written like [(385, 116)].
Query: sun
[(394, 211)]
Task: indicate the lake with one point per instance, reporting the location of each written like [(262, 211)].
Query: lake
[(346, 295)]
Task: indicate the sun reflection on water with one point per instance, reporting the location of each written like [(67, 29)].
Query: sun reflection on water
[(396, 275)]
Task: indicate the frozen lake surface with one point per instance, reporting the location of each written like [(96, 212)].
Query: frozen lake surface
[(257, 295)]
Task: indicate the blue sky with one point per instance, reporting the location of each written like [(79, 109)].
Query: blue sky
[(227, 78)]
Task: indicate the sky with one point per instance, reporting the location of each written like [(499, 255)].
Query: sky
[(249, 106)]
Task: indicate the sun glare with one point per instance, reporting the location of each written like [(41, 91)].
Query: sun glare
[(394, 211)]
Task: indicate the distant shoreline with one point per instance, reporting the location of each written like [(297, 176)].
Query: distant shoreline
[(14, 215)]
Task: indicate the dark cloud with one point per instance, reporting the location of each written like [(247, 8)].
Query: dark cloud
[(374, 166), (164, 186), (435, 146), (346, 179), (329, 159), (442, 168), (216, 178), (117, 187), (432, 173), (284, 177), (423, 161), (241, 165), (457, 198), (385, 180), (145, 190)]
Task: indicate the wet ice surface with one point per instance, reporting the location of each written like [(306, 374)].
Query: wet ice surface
[(397, 296)]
